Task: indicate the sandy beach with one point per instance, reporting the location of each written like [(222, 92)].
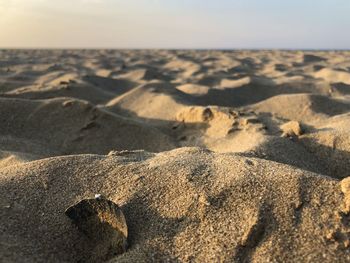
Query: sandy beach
[(213, 156)]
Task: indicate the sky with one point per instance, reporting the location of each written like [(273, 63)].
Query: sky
[(193, 24)]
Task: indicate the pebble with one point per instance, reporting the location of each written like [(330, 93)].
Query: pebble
[(291, 129)]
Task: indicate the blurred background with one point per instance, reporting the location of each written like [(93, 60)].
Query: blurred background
[(219, 24)]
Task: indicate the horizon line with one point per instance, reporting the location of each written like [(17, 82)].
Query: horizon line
[(176, 48)]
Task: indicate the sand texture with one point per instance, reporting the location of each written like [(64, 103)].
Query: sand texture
[(213, 156)]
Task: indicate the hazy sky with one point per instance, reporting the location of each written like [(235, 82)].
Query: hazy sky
[(322, 24)]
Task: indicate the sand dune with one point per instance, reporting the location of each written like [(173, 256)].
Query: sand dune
[(333, 75), (65, 126), (213, 156), (156, 101), (230, 208), (303, 107)]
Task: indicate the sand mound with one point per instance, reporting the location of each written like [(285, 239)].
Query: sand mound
[(193, 89), (310, 58), (8, 158), (331, 144), (341, 88), (157, 101), (145, 74), (302, 107), (13, 81), (248, 210), (94, 89), (241, 90), (219, 129), (184, 67), (114, 86), (74, 90), (333, 76), (66, 126), (235, 83)]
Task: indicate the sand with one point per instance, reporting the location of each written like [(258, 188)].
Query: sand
[(213, 156)]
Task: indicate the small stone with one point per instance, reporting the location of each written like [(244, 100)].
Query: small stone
[(346, 243), (330, 236), (291, 129), (234, 113), (345, 188), (243, 122), (103, 222), (249, 162), (207, 115), (203, 200), (64, 82), (345, 185), (67, 103), (97, 196)]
